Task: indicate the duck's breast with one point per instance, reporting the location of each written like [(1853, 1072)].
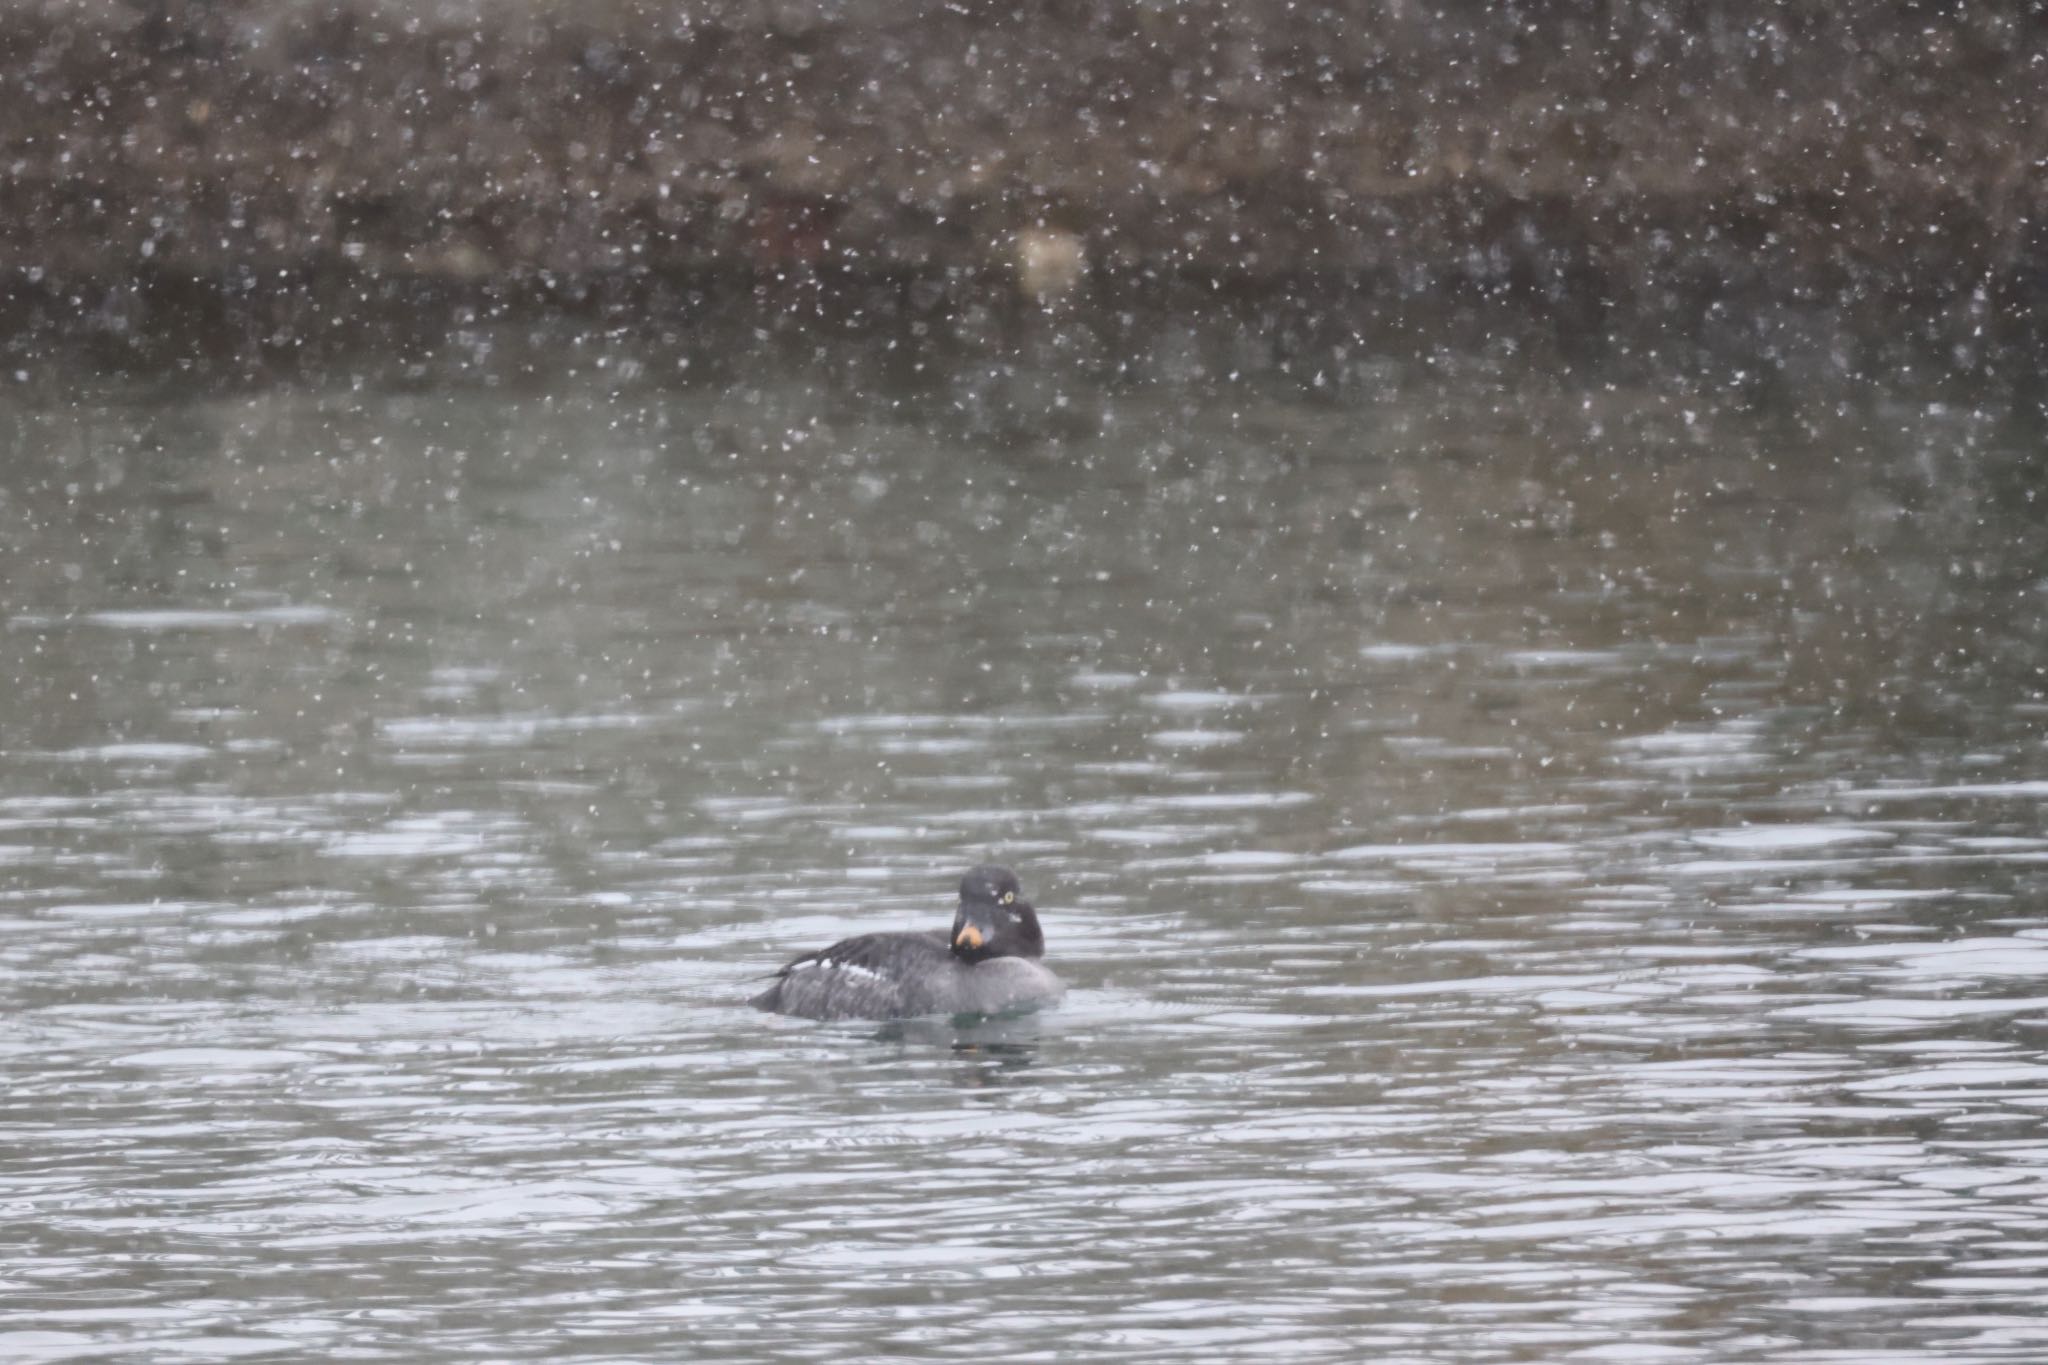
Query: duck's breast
[(1000, 985)]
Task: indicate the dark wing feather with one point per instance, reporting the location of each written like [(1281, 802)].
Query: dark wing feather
[(872, 976)]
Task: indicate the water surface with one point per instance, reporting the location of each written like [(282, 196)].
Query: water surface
[(1544, 874)]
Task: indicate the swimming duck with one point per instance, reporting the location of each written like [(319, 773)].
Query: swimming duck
[(988, 964)]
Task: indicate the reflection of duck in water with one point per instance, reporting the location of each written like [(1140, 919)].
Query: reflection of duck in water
[(988, 964)]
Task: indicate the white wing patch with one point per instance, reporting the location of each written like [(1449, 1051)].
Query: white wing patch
[(827, 964)]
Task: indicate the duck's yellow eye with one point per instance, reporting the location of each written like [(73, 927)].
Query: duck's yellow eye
[(1009, 896)]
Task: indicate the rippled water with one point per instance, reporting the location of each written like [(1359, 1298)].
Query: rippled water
[(1544, 876)]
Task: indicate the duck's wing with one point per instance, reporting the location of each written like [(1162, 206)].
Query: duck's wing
[(873, 976)]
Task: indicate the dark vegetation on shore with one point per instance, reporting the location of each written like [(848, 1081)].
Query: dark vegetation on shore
[(1597, 169)]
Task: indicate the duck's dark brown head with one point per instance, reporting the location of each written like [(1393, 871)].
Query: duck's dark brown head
[(994, 919)]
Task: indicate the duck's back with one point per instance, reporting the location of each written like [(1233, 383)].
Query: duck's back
[(873, 976), (899, 976)]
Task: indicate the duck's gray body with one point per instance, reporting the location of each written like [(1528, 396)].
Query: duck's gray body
[(987, 965), (898, 976)]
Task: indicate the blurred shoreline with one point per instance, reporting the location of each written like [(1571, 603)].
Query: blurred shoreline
[(1602, 175)]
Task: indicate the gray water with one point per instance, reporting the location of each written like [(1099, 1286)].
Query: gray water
[(1544, 875)]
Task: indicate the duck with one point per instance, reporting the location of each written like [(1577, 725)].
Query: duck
[(987, 964)]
